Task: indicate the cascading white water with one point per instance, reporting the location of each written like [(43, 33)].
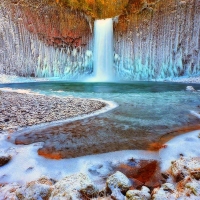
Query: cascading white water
[(103, 51)]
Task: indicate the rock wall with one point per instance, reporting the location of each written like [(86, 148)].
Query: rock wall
[(154, 39), (44, 40), (158, 39)]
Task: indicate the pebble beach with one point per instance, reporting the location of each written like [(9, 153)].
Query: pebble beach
[(21, 110)]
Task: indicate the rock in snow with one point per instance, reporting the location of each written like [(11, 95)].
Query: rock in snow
[(186, 173), (138, 194), (8, 192), (118, 180), (190, 88), (40, 189), (4, 159), (72, 187), (185, 166)]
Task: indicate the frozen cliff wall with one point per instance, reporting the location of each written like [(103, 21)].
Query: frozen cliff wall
[(44, 40), (153, 39), (157, 39)]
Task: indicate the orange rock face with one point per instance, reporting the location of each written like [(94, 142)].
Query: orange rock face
[(55, 24)]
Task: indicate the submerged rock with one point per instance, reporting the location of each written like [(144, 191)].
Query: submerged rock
[(73, 187), (142, 173)]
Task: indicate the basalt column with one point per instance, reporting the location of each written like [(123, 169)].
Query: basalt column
[(158, 39), (44, 40)]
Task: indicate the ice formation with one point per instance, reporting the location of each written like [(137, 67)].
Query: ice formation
[(164, 42), (157, 42)]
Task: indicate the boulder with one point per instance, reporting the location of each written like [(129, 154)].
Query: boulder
[(193, 187), (163, 194), (73, 187), (39, 189), (8, 191), (117, 195), (189, 188), (118, 180), (168, 187), (190, 88), (185, 166), (142, 194)]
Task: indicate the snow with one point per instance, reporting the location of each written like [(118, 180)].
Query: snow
[(26, 165), (187, 145)]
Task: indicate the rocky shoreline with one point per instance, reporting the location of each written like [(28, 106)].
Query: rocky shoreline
[(21, 110), (180, 181)]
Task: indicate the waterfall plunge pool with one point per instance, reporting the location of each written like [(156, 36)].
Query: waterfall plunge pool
[(148, 113)]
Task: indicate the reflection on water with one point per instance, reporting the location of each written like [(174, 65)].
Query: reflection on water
[(147, 110)]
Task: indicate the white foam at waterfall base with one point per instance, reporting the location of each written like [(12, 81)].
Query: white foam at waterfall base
[(103, 51)]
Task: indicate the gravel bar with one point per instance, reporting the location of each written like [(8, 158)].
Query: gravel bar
[(21, 110)]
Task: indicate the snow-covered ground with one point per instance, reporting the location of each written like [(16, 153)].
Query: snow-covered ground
[(187, 145), (26, 165)]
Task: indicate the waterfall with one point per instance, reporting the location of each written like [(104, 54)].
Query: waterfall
[(103, 51)]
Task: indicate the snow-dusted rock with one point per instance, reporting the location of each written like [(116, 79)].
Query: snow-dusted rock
[(118, 180), (166, 191), (72, 187), (142, 194), (168, 187), (8, 191), (185, 166), (163, 194), (35, 190), (117, 195), (190, 88), (194, 187), (186, 189)]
